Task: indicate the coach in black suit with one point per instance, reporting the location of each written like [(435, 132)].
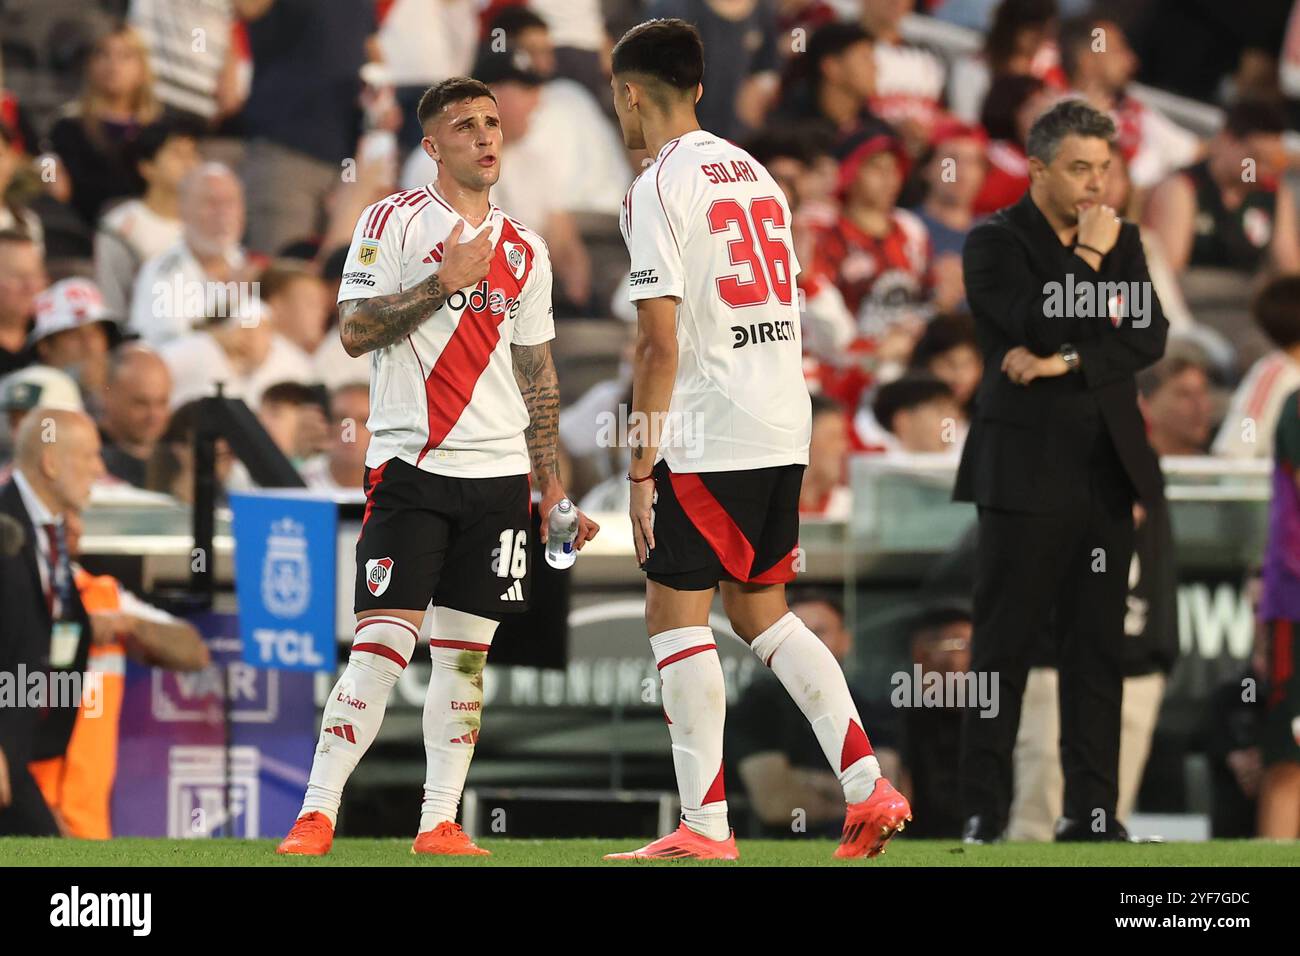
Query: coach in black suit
[(43, 625), (1056, 458)]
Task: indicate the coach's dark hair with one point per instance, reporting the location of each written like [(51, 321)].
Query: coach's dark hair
[(1277, 310), (441, 95), (1065, 118), (1254, 115), (669, 51), (911, 391)]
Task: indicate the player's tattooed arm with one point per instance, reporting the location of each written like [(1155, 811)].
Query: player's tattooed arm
[(540, 387), (369, 324)]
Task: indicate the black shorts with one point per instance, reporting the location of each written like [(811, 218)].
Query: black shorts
[(725, 525), (460, 542), (1279, 737)]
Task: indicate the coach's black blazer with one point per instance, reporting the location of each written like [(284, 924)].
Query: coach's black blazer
[(25, 625), (1029, 446)]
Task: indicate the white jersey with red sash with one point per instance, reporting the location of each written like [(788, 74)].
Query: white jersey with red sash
[(444, 398)]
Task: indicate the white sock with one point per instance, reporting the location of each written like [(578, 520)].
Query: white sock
[(812, 677), (695, 703), (355, 709), (453, 709)]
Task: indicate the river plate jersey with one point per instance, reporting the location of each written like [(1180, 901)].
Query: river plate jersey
[(444, 398), (706, 223)]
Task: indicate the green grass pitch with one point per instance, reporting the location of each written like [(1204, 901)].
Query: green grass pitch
[(506, 852)]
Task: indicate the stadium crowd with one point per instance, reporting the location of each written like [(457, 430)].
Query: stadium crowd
[(179, 181)]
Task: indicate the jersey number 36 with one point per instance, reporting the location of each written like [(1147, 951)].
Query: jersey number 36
[(767, 257)]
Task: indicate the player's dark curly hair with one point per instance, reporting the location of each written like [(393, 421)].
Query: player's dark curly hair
[(441, 95), (670, 51)]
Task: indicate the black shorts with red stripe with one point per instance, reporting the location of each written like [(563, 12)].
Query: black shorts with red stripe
[(460, 542), (1280, 734), (725, 526)]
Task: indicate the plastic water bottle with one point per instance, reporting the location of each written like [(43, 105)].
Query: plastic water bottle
[(561, 529)]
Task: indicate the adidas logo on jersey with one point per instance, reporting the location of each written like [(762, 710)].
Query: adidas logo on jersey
[(515, 592), (435, 254)]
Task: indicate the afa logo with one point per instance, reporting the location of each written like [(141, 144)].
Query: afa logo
[(286, 570), (379, 574)]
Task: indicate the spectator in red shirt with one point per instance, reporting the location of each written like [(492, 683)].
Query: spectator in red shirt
[(877, 255), (1012, 105)]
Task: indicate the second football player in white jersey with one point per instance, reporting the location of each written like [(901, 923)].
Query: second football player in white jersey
[(451, 298), (715, 492)]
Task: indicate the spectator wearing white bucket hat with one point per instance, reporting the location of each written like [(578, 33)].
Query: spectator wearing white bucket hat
[(74, 332)]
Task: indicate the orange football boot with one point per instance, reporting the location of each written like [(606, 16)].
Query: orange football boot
[(869, 825), (683, 844), (447, 839), (312, 835)]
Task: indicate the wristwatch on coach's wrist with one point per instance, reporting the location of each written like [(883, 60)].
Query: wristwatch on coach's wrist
[(1070, 355)]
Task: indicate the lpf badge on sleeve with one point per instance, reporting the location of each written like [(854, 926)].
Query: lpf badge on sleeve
[(368, 253)]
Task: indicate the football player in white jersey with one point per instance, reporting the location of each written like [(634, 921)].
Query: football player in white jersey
[(451, 298), (718, 456)]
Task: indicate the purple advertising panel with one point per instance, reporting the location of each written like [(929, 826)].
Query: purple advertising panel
[(190, 767)]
